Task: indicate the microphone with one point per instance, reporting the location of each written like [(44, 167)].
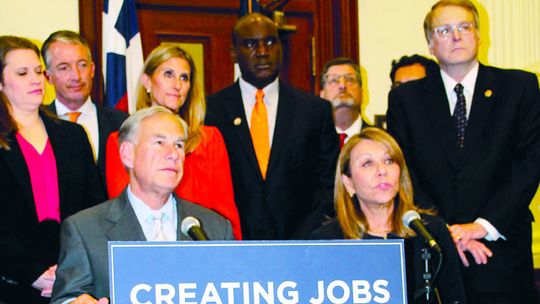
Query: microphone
[(412, 220), (192, 227)]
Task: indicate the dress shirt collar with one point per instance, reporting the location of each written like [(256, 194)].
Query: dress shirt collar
[(271, 92), (145, 214), (352, 129), (87, 109), (468, 82)]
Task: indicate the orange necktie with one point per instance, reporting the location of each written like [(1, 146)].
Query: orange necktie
[(259, 132), (73, 116)]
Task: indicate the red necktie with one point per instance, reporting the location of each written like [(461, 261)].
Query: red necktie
[(342, 137)]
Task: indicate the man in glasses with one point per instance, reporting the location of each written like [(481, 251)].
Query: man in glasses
[(471, 136), (342, 85)]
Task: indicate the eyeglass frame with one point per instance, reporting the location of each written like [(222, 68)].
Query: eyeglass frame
[(344, 77), (461, 28)]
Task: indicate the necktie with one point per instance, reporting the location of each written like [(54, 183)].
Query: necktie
[(157, 232), (259, 132), (342, 137), (460, 115), (73, 116)]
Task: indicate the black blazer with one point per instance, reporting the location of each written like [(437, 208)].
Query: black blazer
[(299, 182), (496, 174), (109, 120), (28, 248), (448, 282)]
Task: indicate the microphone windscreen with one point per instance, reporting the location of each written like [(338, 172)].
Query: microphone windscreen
[(410, 216), (189, 222)]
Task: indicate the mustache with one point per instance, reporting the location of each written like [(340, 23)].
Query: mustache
[(343, 102)]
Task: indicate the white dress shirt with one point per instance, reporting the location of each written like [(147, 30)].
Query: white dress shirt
[(352, 129), (88, 120), (271, 99), (145, 216)]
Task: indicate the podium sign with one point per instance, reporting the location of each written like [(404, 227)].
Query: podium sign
[(314, 272)]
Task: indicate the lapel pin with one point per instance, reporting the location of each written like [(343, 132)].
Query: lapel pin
[(237, 121), (488, 93)]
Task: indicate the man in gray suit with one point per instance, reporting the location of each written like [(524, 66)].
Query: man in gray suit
[(152, 149)]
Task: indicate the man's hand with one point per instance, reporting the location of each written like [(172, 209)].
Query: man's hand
[(477, 249), (88, 299), (45, 282), (465, 232)]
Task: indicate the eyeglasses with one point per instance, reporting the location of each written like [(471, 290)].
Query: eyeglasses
[(445, 31), (334, 79)]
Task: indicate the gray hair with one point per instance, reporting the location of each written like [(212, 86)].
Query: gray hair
[(65, 36), (130, 127)]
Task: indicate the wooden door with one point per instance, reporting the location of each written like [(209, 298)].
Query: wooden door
[(324, 29)]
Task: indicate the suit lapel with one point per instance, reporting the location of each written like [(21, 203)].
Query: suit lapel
[(485, 94), (124, 223), (235, 110), (284, 118), (180, 217), (436, 103), (17, 164)]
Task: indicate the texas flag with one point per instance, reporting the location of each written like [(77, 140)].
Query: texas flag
[(122, 54)]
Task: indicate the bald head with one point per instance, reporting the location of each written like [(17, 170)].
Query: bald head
[(257, 49)]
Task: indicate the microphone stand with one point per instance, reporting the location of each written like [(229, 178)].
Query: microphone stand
[(428, 288)]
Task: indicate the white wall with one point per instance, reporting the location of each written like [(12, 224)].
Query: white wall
[(36, 19)]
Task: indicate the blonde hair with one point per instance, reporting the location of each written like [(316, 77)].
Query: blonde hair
[(352, 220), (466, 4), (194, 108)]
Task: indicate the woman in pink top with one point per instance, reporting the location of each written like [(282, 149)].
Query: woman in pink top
[(169, 79), (47, 173)]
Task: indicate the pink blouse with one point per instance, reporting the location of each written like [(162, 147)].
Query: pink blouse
[(44, 179)]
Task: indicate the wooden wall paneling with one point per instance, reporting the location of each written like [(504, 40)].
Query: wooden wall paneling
[(331, 24)]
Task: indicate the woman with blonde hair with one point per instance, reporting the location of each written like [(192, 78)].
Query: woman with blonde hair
[(373, 191), (169, 78)]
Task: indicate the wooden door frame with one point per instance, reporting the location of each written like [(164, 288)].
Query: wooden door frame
[(336, 24)]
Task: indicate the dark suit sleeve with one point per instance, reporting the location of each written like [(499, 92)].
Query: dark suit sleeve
[(74, 274), (397, 127), (326, 169), (512, 200)]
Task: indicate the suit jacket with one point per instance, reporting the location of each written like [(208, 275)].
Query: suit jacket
[(109, 120), (29, 247), (493, 177), (298, 188), (448, 282), (83, 262)]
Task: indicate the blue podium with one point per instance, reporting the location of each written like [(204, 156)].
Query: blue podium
[(249, 272)]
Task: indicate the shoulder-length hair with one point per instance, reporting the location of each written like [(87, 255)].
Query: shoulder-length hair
[(352, 220), (7, 121), (194, 108)]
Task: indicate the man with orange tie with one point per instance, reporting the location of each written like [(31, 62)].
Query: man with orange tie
[(281, 141), (341, 84), (70, 70)]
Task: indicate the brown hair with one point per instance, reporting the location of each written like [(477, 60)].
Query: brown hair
[(7, 122), (352, 220), (194, 108)]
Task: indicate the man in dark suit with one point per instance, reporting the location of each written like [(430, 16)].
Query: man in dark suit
[(341, 84), (281, 142), (152, 149), (70, 70), (471, 137)]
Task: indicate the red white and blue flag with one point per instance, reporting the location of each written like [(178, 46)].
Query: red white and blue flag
[(122, 54)]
